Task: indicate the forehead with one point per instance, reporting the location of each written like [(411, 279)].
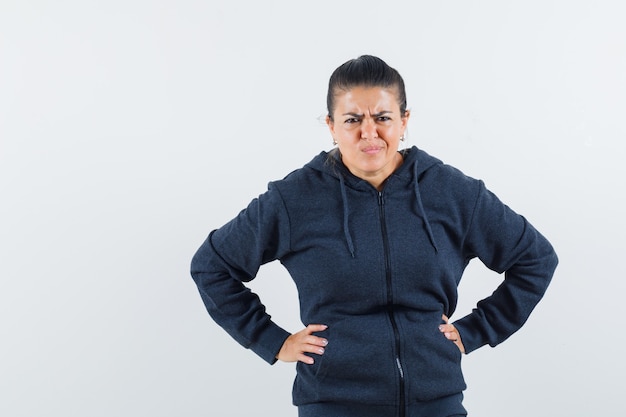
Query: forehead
[(368, 98)]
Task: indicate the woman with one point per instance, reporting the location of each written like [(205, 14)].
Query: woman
[(376, 241)]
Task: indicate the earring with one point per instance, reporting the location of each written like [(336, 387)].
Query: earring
[(334, 142), (402, 138)]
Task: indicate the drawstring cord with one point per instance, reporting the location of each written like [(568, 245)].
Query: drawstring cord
[(422, 212), (346, 228)]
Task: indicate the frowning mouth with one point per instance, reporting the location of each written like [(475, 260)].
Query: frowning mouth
[(372, 149)]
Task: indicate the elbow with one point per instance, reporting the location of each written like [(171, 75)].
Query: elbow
[(200, 260)]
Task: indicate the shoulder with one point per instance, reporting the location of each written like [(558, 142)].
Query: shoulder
[(442, 179), (313, 177)]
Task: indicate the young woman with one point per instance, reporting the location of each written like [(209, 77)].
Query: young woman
[(376, 241)]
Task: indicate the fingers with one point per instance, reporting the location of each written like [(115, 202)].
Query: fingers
[(451, 333), (312, 328), (299, 344), (315, 342), (311, 343), (302, 357), (448, 330)]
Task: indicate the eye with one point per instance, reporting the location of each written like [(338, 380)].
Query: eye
[(383, 118), (352, 120)]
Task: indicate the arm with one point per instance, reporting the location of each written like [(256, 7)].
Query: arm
[(231, 256), (506, 243)]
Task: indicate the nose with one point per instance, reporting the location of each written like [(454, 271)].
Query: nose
[(368, 129)]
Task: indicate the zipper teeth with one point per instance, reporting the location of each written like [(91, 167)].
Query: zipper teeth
[(394, 326)]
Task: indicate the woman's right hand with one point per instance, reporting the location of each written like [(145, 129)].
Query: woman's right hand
[(298, 344)]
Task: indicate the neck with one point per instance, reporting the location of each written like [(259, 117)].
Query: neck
[(378, 180)]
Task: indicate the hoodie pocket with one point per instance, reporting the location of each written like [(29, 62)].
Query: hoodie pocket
[(357, 365), (433, 362)]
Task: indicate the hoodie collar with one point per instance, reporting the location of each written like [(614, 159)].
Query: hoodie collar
[(416, 162)]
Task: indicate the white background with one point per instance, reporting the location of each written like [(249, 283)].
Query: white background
[(130, 129)]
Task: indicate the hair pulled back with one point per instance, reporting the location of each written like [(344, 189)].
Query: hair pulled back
[(364, 71)]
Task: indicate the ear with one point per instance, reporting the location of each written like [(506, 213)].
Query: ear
[(405, 118), (331, 125)]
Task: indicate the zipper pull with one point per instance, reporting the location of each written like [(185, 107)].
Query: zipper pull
[(400, 368)]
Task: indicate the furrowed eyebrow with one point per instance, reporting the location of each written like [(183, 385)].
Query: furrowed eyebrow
[(382, 113)]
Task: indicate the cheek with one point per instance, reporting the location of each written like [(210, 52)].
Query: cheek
[(348, 131), (390, 132)]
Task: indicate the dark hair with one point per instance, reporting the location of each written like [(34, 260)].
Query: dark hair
[(364, 71)]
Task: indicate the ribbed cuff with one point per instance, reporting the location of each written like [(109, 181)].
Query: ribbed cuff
[(270, 342), (470, 336)]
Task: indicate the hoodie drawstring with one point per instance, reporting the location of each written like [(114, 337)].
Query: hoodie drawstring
[(346, 228), (422, 212)]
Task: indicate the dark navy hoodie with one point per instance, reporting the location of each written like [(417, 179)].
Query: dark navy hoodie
[(380, 269)]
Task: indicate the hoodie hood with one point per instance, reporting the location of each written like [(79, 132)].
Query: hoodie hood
[(416, 162)]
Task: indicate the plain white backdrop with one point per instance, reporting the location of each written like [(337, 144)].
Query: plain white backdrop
[(130, 129)]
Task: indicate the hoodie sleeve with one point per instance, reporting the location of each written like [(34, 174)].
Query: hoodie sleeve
[(506, 243), (232, 255)]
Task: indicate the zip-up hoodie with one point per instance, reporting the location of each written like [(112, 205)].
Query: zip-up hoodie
[(380, 269)]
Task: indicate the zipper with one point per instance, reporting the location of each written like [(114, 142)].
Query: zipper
[(390, 313)]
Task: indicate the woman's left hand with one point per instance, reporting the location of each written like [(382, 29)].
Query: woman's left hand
[(451, 333)]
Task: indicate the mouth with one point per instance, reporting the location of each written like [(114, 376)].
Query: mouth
[(372, 149)]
